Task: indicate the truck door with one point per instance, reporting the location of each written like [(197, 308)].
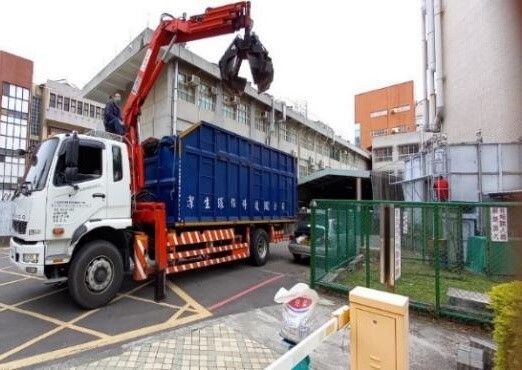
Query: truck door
[(118, 183), (69, 206)]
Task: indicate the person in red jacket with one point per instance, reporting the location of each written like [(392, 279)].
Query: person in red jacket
[(441, 187)]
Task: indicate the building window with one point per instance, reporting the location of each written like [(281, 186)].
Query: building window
[(52, 100), (185, 90), (59, 102), (243, 114), (79, 110), (73, 106), (66, 104), (207, 100), (283, 133), (381, 132), (86, 109), (91, 111), (261, 121), (379, 113), (292, 135), (229, 109), (401, 109), (407, 150), (36, 106), (13, 135), (382, 154), (98, 113)]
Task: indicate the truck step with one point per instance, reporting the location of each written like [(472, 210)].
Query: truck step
[(54, 281)]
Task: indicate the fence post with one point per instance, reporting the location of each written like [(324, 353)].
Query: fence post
[(312, 257), (338, 234), (436, 232), (460, 240), (488, 241), (423, 222), (367, 241), (326, 238)]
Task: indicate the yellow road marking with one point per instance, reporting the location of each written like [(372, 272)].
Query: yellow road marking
[(35, 298), (199, 308), (20, 274), (13, 281), (54, 321), (169, 324), (153, 302)]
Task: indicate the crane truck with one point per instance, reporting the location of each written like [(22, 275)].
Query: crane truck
[(93, 207)]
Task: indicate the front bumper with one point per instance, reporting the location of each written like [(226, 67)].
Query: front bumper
[(17, 248)]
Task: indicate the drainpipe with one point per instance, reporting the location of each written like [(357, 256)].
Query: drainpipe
[(430, 36), (424, 70), (439, 71), (479, 163), (174, 110)]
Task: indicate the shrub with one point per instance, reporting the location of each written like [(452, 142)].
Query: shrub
[(506, 301)]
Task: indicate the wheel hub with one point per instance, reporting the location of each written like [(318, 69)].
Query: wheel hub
[(261, 248), (99, 274)]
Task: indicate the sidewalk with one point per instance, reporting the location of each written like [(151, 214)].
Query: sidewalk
[(250, 340)]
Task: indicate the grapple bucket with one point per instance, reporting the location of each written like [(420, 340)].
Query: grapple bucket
[(260, 63)]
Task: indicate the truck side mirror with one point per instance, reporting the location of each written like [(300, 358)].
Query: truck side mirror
[(72, 148)]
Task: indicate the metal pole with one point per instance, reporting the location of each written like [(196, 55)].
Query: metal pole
[(437, 258), (358, 188), (175, 100), (313, 256)]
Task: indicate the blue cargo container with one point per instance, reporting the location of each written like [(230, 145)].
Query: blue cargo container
[(209, 174)]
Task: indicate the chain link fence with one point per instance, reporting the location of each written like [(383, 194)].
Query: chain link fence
[(451, 254)]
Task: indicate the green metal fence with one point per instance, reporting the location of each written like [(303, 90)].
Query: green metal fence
[(451, 253)]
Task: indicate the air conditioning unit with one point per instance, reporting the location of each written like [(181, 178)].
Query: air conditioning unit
[(265, 115), (213, 90), (395, 130), (311, 161), (194, 80), (321, 165), (234, 100)]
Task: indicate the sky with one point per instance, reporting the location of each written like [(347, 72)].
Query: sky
[(324, 52)]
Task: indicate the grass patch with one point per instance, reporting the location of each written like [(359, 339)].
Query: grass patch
[(418, 281)]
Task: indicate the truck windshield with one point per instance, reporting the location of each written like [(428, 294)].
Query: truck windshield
[(40, 163)]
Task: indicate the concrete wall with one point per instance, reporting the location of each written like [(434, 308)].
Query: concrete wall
[(482, 58)]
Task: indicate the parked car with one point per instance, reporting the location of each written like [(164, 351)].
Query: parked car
[(300, 241)]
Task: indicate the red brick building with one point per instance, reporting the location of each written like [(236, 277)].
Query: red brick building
[(385, 111), (16, 76)]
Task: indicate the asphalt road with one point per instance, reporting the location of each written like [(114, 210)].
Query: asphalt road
[(40, 323)]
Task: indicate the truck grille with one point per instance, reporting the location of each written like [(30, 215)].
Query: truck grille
[(19, 227)]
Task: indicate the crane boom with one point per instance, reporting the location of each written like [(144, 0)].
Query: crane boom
[(213, 22)]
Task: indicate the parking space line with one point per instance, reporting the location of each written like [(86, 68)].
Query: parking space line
[(174, 321), (141, 299), (244, 292), (34, 298), (14, 281), (54, 321), (20, 274), (199, 308)]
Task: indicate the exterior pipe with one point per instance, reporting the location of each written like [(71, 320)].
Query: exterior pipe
[(439, 71), (424, 100), (430, 36)]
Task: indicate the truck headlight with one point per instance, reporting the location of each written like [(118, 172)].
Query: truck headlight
[(30, 257)]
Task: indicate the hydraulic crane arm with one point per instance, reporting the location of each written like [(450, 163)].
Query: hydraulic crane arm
[(214, 22)]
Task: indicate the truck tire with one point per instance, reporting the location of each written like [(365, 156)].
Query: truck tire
[(259, 247), (96, 274)]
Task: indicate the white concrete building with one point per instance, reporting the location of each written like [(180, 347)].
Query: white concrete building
[(200, 95), (474, 70), (58, 106)]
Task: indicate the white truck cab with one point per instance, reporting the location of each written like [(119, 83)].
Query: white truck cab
[(65, 225)]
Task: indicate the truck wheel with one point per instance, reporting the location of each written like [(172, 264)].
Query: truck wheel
[(96, 274), (259, 247)]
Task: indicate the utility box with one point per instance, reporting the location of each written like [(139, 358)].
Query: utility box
[(379, 330)]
